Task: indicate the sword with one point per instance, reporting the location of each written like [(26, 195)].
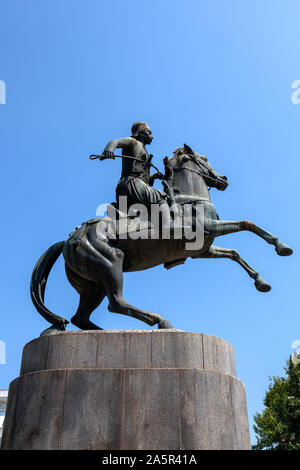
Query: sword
[(103, 157)]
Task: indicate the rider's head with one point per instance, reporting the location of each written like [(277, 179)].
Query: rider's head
[(142, 132)]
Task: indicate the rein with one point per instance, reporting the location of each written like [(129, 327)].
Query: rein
[(211, 180), (202, 174)]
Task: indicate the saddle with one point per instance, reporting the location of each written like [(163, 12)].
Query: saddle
[(119, 224), (127, 223)]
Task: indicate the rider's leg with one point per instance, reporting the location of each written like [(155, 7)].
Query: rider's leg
[(174, 208), (170, 227)]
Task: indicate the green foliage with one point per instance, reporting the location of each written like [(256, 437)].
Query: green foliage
[(278, 426)]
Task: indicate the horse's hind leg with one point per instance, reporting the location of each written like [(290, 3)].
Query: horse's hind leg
[(89, 301), (219, 252), (218, 228), (106, 273), (113, 281), (117, 304), (91, 295)]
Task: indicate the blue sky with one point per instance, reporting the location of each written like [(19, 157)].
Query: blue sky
[(216, 75)]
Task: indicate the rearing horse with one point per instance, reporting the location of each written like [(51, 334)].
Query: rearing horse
[(95, 265)]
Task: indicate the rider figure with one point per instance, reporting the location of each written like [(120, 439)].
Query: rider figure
[(136, 181)]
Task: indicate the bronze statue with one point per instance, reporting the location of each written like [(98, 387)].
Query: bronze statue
[(136, 183), (95, 264)]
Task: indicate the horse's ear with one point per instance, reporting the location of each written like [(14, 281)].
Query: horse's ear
[(188, 149)]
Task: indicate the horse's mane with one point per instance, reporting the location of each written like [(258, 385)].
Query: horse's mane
[(182, 158), (185, 153)]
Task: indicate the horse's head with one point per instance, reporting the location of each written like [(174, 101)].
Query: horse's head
[(200, 165)]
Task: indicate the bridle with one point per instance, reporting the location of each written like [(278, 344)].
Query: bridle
[(210, 180)]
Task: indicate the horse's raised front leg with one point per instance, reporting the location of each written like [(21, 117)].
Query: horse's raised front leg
[(218, 228), (219, 252)]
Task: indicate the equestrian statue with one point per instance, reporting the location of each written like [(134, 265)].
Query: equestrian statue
[(98, 252)]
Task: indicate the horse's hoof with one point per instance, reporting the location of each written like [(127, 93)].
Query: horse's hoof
[(283, 250), (164, 324), (84, 325), (53, 330), (262, 285)]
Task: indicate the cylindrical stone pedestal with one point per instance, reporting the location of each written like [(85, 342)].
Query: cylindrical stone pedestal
[(129, 389)]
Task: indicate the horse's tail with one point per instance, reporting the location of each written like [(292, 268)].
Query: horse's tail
[(38, 284)]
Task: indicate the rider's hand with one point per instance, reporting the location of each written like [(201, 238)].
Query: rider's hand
[(107, 154), (158, 176)]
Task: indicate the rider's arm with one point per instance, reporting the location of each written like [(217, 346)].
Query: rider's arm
[(154, 177), (124, 142)]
